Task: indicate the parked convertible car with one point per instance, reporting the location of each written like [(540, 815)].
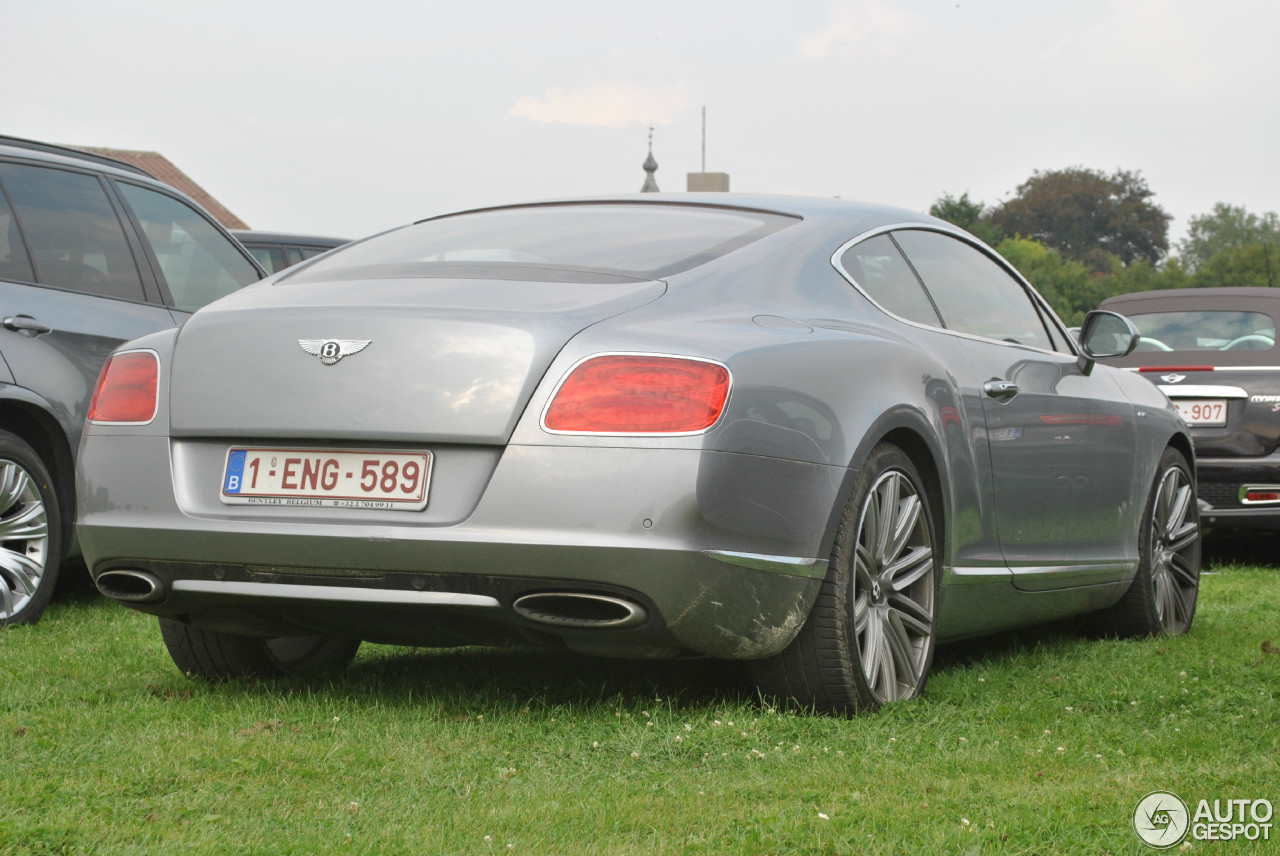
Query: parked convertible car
[(817, 435), (1213, 352)]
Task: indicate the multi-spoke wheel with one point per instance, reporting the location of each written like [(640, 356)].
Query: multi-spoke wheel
[(870, 637), (1162, 599), (30, 533), (215, 655)]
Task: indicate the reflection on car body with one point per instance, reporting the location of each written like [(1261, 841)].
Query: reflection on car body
[(790, 431)]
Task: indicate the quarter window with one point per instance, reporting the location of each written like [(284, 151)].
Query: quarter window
[(13, 256), (75, 237), (972, 292), (270, 256), (880, 270), (199, 263)]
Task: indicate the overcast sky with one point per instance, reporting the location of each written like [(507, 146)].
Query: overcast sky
[(349, 118)]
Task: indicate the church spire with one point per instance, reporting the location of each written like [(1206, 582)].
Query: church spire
[(650, 167)]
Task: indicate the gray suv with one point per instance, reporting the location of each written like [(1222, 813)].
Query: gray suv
[(93, 252)]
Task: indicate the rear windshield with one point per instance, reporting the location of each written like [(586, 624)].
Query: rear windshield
[(637, 239), (1205, 330)]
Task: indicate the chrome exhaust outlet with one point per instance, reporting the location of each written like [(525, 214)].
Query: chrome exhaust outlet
[(129, 586), (580, 609)]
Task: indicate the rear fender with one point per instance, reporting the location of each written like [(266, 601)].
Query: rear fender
[(31, 417)]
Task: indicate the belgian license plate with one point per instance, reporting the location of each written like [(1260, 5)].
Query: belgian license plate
[(1202, 411), (327, 478)]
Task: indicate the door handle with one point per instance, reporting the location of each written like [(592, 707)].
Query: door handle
[(1001, 390), (26, 324)]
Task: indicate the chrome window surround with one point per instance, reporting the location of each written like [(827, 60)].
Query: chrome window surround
[(1043, 308)]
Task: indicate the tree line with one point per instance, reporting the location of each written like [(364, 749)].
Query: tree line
[(1080, 235)]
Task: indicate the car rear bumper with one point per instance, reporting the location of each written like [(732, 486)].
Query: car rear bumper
[(720, 552), (1220, 482)]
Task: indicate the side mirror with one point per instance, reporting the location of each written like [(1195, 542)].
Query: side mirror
[(1104, 335)]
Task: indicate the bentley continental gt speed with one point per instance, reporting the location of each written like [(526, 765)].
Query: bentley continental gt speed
[(816, 435)]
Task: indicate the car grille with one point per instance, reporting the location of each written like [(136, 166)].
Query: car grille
[(1220, 494)]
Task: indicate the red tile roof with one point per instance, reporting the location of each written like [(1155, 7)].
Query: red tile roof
[(162, 168)]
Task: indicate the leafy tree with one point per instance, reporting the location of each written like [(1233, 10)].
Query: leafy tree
[(1088, 216), (968, 215), (1069, 286), (1255, 264), (1229, 229), (1144, 276)]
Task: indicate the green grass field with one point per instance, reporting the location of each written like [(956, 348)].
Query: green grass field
[(1039, 743)]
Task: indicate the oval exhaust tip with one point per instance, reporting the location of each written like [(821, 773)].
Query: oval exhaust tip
[(128, 586), (580, 609)]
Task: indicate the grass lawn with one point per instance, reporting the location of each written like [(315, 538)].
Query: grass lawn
[(1039, 743)]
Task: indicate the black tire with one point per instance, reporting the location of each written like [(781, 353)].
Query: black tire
[(870, 637), (30, 533), (216, 656), (1162, 599)]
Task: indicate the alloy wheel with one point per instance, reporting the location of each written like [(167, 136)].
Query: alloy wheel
[(1175, 531), (893, 588), (24, 538)]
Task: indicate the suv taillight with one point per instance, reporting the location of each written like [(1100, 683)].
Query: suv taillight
[(126, 391), (639, 394)]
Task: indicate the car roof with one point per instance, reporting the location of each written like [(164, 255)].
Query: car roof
[(815, 208), (1265, 301), (1167, 299), (64, 154), (287, 238)]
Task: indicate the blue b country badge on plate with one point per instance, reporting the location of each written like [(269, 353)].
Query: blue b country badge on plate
[(235, 471)]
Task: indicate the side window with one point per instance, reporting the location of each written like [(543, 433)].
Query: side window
[(199, 263), (294, 254), (311, 252), (270, 257), (13, 256), (876, 265), (75, 237), (972, 292), (1056, 335)]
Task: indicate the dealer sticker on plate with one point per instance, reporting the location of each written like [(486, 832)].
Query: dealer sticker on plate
[(327, 478)]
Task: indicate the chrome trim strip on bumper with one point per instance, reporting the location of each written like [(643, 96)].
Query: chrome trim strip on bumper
[(335, 593), (1202, 391), (793, 566)]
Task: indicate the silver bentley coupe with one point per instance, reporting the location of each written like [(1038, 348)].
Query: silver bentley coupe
[(817, 435)]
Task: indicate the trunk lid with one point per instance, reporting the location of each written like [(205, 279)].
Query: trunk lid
[(447, 360), (1232, 413)]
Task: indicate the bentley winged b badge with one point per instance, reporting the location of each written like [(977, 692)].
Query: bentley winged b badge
[(331, 350)]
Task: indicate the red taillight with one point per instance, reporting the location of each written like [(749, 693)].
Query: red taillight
[(633, 394), (126, 390)]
